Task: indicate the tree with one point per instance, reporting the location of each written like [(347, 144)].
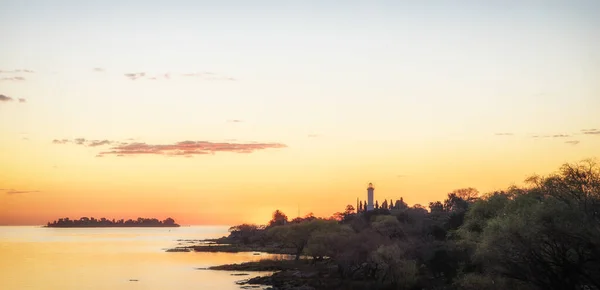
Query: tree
[(467, 194), (400, 204), (245, 232), (297, 235), (436, 207), (384, 204), (393, 269), (349, 210), (547, 235), (328, 241), (387, 226), (279, 219), (169, 221), (376, 204)]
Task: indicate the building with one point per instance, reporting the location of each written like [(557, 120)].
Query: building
[(370, 197)]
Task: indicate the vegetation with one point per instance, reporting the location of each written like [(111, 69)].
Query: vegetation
[(85, 222), (545, 235)]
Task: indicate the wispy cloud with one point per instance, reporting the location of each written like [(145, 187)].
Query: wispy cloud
[(95, 143), (98, 69), (135, 76), (21, 191), (16, 78), (4, 98), (16, 71), (209, 76), (572, 142), (187, 148), (504, 134), (184, 148), (83, 141), (12, 191), (591, 131), (234, 121), (552, 136), (61, 141)]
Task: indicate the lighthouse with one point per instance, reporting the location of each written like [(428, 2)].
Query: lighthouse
[(370, 196)]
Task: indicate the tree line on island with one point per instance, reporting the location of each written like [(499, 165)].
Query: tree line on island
[(86, 222), (543, 235)]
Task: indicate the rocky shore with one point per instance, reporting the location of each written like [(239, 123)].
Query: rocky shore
[(294, 275), (213, 246)]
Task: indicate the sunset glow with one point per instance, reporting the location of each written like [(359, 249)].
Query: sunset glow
[(220, 112)]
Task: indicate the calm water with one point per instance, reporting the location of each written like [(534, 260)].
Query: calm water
[(107, 258)]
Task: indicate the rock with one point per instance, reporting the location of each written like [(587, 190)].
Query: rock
[(239, 274)]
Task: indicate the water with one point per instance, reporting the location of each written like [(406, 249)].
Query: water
[(108, 258)]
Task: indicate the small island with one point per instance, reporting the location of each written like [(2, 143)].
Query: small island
[(85, 222)]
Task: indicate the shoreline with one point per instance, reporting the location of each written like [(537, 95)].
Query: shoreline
[(286, 273)]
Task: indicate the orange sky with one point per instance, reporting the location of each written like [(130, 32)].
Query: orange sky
[(222, 116)]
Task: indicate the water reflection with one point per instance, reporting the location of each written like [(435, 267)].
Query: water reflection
[(108, 258)]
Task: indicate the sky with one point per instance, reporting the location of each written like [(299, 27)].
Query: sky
[(220, 112)]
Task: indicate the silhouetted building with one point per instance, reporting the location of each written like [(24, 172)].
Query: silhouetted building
[(370, 196)]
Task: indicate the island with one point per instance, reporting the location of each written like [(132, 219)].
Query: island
[(85, 222)]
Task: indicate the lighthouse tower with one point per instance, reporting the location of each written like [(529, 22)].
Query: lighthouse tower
[(370, 196)]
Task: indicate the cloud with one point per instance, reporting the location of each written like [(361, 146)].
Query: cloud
[(83, 141), (63, 141), (504, 134), (572, 142), (135, 76), (591, 131), (16, 71), (95, 143), (552, 136), (21, 191), (188, 148), (12, 191), (17, 79), (184, 148), (4, 98), (235, 121), (98, 69), (209, 76)]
